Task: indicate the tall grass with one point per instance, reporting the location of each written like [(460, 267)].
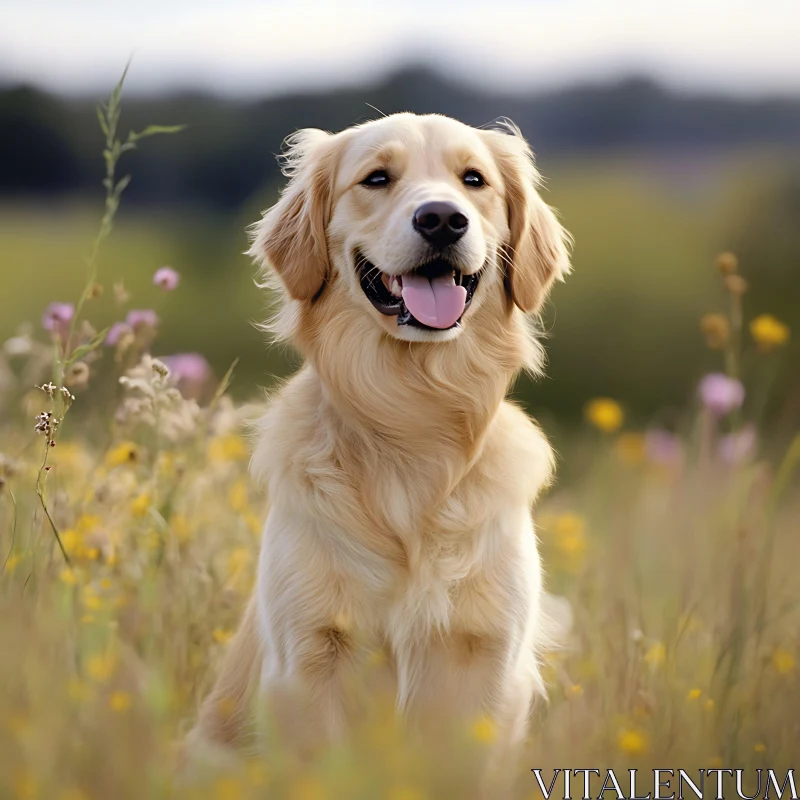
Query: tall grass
[(128, 548)]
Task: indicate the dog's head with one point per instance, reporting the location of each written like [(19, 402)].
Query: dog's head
[(413, 223)]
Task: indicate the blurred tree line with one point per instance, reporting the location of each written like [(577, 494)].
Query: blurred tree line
[(229, 153)]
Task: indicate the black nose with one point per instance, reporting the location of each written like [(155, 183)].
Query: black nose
[(440, 223)]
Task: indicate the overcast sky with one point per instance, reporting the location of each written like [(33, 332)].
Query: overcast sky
[(746, 47)]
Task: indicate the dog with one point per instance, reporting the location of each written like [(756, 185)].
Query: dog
[(409, 256)]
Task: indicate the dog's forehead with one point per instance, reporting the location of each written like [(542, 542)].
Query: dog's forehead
[(411, 135)]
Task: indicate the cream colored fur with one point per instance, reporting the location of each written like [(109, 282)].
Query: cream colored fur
[(400, 480)]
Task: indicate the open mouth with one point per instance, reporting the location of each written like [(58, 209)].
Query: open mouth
[(433, 296)]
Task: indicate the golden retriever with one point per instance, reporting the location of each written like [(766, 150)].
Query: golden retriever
[(408, 254)]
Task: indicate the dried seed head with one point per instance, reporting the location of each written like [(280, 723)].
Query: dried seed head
[(716, 329), (736, 284), (727, 263), (77, 375), (95, 291)]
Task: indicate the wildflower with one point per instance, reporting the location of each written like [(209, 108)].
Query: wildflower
[(121, 294), (167, 278), (738, 447), (632, 742), (238, 561), (570, 533), (694, 694), (783, 661), (768, 332), (760, 748), (227, 447), (605, 414), (656, 654), (141, 318), (237, 496), (68, 576), (119, 702), (727, 263), (405, 793), (57, 318), (716, 329), (736, 284), (721, 394), (484, 730), (46, 423), (123, 453), (12, 561), (141, 504), (25, 785), (222, 636), (191, 371), (73, 793), (662, 447), (631, 448), (116, 332), (575, 690), (77, 375), (101, 667), (228, 789), (308, 788)]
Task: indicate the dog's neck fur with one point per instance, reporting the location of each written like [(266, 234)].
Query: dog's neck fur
[(420, 412)]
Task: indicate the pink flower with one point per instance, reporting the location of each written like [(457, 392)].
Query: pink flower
[(57, 317), (735, 448), (115, 333), (141, 318), (167, 278), (662, 447), (721, 394), (190, 371)]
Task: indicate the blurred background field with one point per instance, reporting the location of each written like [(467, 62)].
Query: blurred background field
[(651, 181), (666, 137)]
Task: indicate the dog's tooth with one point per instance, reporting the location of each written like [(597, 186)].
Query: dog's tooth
[(394, 288)]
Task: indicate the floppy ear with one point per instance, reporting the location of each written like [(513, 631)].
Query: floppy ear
[(538, 251), (291, 237)]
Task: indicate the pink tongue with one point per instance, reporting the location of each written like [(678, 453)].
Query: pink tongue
[(437, 303)]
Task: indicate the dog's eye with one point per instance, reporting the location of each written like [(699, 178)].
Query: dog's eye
[(473, 178), (380, 177)]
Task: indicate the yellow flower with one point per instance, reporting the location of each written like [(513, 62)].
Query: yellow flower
[(123, 453), (605, 414), (12, 561), (308, 789), (88, 523), (783, 661), (631, 448), (228, 789), (760, 748), (68, 576), (119, 702), (570, 538), (576, 690), (73, 794), (768, 332), (25, 786), (694, 694), (227, 447), (405, 793), (222, 636), (656, 654), (632, 742), (180, 527), (141, 505), (253, 522), (237, 496), (484, 730), (101, 667)]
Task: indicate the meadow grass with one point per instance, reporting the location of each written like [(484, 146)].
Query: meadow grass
[(129, 534)]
